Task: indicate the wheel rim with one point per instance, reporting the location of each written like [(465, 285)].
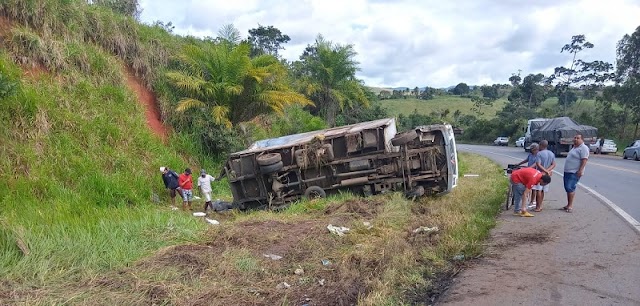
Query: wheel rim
[(315, 195)]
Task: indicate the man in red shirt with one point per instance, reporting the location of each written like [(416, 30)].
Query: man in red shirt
[(522, 180), (186, 185)]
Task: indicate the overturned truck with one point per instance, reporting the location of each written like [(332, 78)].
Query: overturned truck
[(365, 158)]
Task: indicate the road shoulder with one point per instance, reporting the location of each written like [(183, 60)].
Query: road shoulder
[(590, 256)]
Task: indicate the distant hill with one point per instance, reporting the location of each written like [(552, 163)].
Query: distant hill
[(377, 90)]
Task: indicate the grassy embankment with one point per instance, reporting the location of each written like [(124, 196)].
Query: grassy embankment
[(386, 264), (78, 164)]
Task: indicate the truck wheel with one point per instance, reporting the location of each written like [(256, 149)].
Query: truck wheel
[(315, 192), (271, 168), (404, 138), (268, 159)]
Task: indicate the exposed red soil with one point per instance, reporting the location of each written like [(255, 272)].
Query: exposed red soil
[(150, 103), (5, 26)]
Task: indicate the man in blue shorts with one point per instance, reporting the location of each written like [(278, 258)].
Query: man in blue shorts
[(574, 169)]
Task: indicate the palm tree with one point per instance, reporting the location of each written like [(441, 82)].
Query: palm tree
[(220, 78), (327, 75)]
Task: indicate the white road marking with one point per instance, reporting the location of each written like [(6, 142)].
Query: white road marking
[(619, 211)]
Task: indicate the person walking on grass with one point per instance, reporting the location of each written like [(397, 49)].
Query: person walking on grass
[(522, 180), (531, 161), (574, 169), (170, 179), (186, 185), (546, 163), (204, 182)]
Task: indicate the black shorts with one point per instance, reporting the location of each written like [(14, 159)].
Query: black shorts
[(172, 192)]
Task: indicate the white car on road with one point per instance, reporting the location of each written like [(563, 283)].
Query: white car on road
[(608, 147), (520, 142)]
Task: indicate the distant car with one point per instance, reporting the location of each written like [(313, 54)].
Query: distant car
[(632, 151), (501, 141), (608, 147), (520, 142)]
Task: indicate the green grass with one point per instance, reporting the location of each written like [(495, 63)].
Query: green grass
[(78, 172), (439, 104), (385, 265), (464, 105)]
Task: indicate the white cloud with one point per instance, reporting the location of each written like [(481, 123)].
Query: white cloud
[(422, 43)]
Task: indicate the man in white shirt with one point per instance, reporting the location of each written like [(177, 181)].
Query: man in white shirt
[(574, 169), (204, 182)]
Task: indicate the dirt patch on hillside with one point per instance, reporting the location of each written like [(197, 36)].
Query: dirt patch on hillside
[(150, 103), (5, 26)]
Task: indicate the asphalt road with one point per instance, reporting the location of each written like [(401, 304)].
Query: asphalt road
[(612, 177)]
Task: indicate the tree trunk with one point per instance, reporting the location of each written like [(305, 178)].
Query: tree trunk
[(635, 132)]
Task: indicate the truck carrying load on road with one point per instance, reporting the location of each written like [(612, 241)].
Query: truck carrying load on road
[(559, 132), (365, 158)]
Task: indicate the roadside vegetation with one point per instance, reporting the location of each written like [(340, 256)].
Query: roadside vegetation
[(381, 262)]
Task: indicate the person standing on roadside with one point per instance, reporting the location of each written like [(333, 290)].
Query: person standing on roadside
[(170, 179), (186, 185), (204, 182), (531, 161), (546, 163), (522, 180), (574, 169), (600, 145)]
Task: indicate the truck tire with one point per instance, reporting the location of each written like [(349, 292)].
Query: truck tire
[(404, 138), (315, 192), (271, 168), (268, 159)]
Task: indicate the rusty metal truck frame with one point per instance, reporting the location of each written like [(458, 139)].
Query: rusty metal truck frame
[(365, 158)]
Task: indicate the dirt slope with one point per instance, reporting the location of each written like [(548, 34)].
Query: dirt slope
[(150, 103)]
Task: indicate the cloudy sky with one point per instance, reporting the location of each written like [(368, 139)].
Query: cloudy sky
[(422, 42)]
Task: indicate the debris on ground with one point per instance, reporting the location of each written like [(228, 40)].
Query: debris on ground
[(338, 230), (212, 221), (367, 225), (458, 257), (199, 214), (471, 175), (321, 282), (283, 285), (299, 271), (272, 256), (174, 208), (426, 229), (326, 262)]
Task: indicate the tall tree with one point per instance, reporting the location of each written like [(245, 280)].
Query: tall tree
[(326, 73), (583, 75), (267, 40), (628, 77), (222, 80)]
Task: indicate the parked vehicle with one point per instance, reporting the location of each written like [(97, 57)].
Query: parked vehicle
[(532, 124), (632, 151), (520, 142), (501, 141), (608, 147), (559, 132), (365, 158)]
